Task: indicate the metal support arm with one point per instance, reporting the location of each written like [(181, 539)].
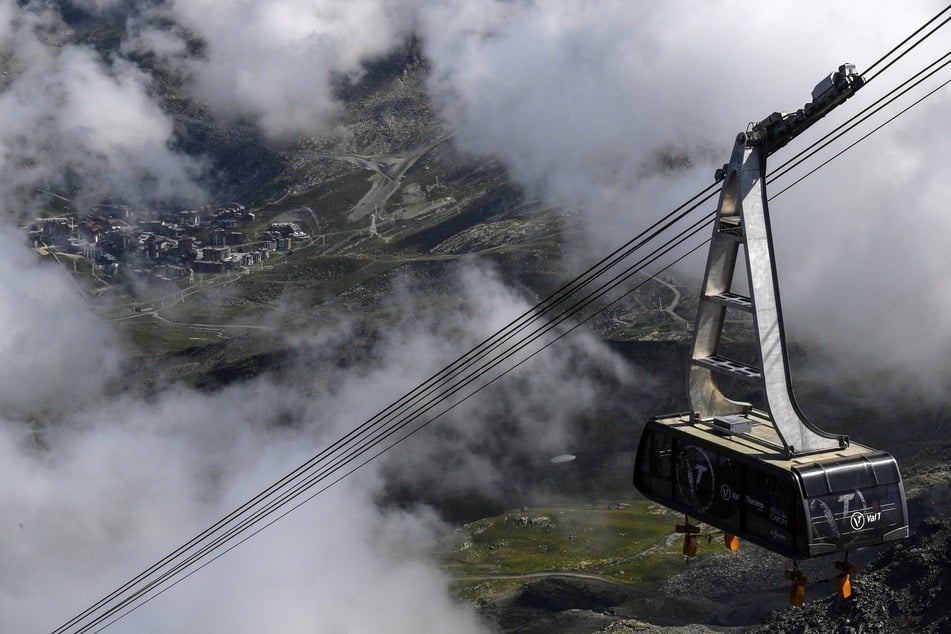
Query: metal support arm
[(743, 219)]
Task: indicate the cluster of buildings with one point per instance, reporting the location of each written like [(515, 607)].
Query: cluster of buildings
[(169, 244)]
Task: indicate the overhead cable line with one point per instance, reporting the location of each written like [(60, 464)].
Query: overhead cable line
[(863, 115), (860, 139), (406, 436), (528, 317), (390, 431), (426, 387), (368, 444), (905, 41), (875, 107)]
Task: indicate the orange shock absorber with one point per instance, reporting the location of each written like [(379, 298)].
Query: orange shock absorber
[(797, 593), (691, 536), (843, 580), (731, 541)]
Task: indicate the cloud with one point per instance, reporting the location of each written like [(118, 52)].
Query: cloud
[(7, 13), (112, 483), (595, 104), (478, 446), (623, 110), (73, 121), (101, 6), (106, 497), (277, 63), (57, 353)]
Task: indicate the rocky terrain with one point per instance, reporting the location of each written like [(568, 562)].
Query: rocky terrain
[(899, 588)]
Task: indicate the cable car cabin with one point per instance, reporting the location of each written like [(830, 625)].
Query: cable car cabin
[(763, 473), (731, 473)]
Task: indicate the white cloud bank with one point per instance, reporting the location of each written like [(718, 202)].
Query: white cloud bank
[(103, 484), (276, 62), (623, 109), (581, 100), (72, 121)]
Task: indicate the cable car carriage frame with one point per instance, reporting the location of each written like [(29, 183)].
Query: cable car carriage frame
[(767, 475)]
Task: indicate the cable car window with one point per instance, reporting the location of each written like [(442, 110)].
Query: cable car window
[(661, 460)]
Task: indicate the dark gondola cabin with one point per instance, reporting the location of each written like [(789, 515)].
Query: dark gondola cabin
[(799, 507), (764, 474)]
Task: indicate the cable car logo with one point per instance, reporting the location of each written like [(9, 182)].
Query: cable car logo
[(857, 520), (696, 477)]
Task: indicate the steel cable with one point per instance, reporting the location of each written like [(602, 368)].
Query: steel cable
[(905, 41), (382, 435), (426, 387), (863, 115)]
